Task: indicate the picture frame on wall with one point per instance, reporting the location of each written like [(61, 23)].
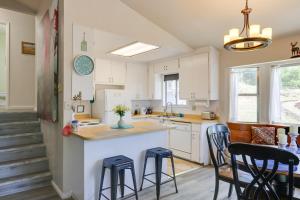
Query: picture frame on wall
[(28, 48)]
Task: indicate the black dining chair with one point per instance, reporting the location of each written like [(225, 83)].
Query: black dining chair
[(262, 162), (217, 137)]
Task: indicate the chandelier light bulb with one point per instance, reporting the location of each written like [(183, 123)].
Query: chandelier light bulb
[(255, 30), (267, 32), (234, 33), (226, 39)]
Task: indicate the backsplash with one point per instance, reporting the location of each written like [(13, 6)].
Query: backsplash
[(191, 107)]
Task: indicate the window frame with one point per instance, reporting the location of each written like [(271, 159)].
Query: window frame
[(257, 94), (284, 66), (164, 85)]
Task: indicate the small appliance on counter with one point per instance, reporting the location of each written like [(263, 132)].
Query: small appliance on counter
[(208, 115), (149, 111)]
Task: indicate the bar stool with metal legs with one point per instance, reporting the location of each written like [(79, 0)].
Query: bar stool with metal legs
[(159, 153), (117, 166)]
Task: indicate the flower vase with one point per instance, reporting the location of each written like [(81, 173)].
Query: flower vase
[(121, 122)]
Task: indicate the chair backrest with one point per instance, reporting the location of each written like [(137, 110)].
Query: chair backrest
[(217, 137), (262, 163)]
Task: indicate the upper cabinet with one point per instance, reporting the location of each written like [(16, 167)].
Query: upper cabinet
[(154, 84), (136, 84), (198, 75), (110, 72), (168, 67)]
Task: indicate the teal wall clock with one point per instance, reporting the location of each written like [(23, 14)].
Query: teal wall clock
[(83, 65)]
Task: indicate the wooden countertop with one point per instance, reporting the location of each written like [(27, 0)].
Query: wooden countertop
[(102, 132)]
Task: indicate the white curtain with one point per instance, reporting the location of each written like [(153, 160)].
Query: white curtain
[(275, 106), (233, 99)]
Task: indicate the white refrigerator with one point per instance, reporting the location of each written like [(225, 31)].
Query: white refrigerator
[(105, 101)]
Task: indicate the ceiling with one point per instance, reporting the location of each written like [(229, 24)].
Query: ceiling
[(32, 4), (106, 42), (25, 6), (204, 22)]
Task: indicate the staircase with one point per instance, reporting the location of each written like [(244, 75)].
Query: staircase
[(24, 167)]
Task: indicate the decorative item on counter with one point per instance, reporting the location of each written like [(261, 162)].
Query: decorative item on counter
[(180, 115), (295, 50), (80, 109), (136, 112), (67, 130), (121, 111), (293, 133), (282, 138), (149, 111), (74, 124)]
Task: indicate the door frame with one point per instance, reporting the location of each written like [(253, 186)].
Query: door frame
[(7, 63)]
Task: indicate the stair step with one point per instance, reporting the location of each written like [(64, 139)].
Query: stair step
[(23, 167), (18, 116), (45, 193), (20, 139), (22, 152), (19, 127), (24, 183)]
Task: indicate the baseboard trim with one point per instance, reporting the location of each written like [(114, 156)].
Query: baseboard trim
[(61, 194)]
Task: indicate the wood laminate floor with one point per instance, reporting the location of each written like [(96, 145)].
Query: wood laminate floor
[(198, 184), (182, 166)]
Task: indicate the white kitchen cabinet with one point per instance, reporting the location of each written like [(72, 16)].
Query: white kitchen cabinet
[(196, 128), (198, 76), (136, 81), (167, 67), (155, 82), (109, 72), (102, 71)]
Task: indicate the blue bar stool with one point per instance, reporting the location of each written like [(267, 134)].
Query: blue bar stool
[(159, 153), (117, 166)]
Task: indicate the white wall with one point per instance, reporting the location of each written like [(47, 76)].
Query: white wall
[(279, 50), (22, 67)]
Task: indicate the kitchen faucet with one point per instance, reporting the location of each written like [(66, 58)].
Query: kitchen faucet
[(166, 108)]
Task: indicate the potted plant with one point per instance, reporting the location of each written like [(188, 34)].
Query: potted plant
[(121, 111)]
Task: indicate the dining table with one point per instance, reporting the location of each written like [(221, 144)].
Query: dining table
[(282, 169)]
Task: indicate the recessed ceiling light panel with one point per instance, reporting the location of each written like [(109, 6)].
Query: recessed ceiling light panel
[(134, 49)]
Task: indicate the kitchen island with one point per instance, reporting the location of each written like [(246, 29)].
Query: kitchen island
[(86, 149)]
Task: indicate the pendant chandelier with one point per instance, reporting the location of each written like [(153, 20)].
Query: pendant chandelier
[(250, 38)]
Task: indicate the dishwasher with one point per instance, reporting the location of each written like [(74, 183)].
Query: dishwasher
[(180, 139)]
